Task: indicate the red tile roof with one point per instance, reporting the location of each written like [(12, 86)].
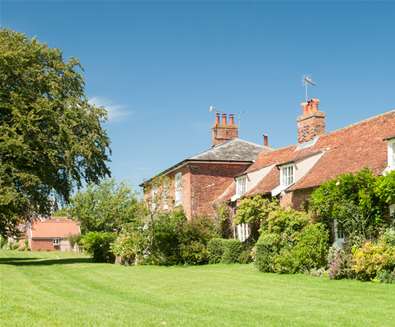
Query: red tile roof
[(347, 150), (55, 228)]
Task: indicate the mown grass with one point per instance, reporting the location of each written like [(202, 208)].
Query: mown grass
[(57, 289)]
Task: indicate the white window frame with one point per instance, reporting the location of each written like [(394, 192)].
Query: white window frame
[(243, 232), (178, 189), (241, 185), (56, 242), (287, 175), (391, 154), (154, 193)]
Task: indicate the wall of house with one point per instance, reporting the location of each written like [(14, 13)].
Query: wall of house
[(208, 182), (295, 199), (41, 245), (65, 245), (170, 202)]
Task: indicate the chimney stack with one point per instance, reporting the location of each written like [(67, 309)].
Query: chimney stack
[(312, 121), (223, 132), (265, 140)]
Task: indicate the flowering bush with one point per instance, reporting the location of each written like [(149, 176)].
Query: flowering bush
[(373, 258), (339, 263)]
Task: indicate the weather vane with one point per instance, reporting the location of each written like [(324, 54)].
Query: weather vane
[(308, 81)]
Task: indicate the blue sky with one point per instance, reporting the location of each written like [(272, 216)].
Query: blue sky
[(159, 65)]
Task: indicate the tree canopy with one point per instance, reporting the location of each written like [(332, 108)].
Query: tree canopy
[(106, 207), (51, 137)]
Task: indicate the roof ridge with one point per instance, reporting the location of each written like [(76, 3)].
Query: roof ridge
[(223, 144), (392, 111)]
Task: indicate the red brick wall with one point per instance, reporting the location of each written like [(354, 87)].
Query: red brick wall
[(208, 182), (202, 184), (296, 199), (42, 245)]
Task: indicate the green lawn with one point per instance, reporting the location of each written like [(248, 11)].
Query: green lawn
[(55, 289)]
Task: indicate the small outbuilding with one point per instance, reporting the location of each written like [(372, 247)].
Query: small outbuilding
[(52, 234)]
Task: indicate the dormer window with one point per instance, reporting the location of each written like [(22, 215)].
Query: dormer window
[(287, 175), (391, 154), (241, 185)]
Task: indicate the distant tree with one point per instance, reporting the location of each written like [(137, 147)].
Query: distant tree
[(51, 138), (106, 207)]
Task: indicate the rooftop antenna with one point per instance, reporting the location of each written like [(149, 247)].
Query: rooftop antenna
[(308, 81), (212, 108)]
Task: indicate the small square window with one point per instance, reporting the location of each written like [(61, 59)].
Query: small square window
[(56, 241), (287, 176)]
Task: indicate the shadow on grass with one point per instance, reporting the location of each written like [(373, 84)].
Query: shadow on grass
[(42, 262)]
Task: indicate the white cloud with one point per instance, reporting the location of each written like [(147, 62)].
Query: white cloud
[(115, 111)]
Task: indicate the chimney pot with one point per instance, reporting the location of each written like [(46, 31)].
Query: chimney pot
[(265, 140), (224, 120), (231, 119), (217, 116)]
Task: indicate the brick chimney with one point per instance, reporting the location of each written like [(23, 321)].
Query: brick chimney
[(312, 121), (224, 131)]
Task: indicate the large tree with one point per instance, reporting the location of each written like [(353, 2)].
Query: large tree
[(51, 138)]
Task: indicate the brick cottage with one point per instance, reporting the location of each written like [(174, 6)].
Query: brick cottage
[(196, 182), (233, 168), (50, 234)]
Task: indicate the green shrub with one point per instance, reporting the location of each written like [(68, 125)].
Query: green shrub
[(389, 237), (194, 238), (245, 256), (98, 245), (311, 249), (308, 252), (194, 253), (386, 276), (278, 237), (3, 242), (166, 232), (232, 251), (266, 248), (215, 249)]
